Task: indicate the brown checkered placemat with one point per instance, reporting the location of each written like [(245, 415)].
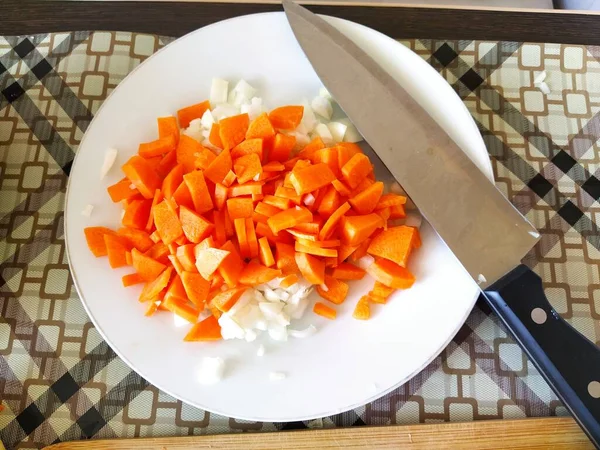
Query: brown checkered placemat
[(60, 381)]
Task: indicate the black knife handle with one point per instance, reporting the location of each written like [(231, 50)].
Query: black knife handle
[(567, 360)]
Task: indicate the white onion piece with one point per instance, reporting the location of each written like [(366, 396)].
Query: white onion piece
[(179, 321), (207, 120), (250, 335), (261, 350), (196, 134), (322, 107), (211, 370), (544, 88), (300, 308), (540, 78), (365, 262), (413, 220), (224, 110), (277, 376), (323, 132), (309, 199), (243, 89), (324, 287), (337, 130), (308, 118), (87, 211), (352, 134), (277, 332), (109, 159), (301, 334), (218, 91), (271, 309), (323, 92)]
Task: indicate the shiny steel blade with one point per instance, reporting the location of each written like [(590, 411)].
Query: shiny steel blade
[(485, 232)]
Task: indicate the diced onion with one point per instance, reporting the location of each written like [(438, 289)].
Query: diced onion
[(308, 118), (365, 262), (109, 159), (261, 350), (309, 199), (322, 107), (323, 132), (207, 120), (211, 370), (323, 92), (540, 77), (218, 91), (301, 334), (324, 287), (337, 130), (352, 134), (87, 211)]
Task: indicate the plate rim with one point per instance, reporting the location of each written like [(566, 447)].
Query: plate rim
[(488, 172)]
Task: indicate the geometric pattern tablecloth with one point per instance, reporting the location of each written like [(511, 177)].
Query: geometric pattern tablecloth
[(60, 381)]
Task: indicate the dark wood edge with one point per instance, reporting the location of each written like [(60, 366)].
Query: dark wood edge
[(179, 18)]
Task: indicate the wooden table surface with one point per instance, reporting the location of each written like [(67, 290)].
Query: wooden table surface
[(178, 18)]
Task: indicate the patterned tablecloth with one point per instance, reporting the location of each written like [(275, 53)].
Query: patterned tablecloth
[(60, 381)]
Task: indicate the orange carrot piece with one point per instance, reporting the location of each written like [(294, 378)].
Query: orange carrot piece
[(289, 219), (199, 191), (225, 300), (397, 212), (121, 190), (137, 214), (167, 126), (301, 235), (167, 163), (145, 266), (356, 169), (253, 188), (310, 148), (158, 147), (176, 291), (273, 166), (344, 251), (255, 274), (311, 267), (285, 257), (388, 200), (189, 113), (323, 310), (355, 229), (289, 193), (311, 178), (136, 238), (185, 255), (208, 260), (176, 264), (277, 202), (347, 271), (116, 250), (229, 178), (309, 227), (195, 227), (196, 288), (346, 150), (152, 288), (395, 244), (183, 310), (231, 267), (131, 279), (333, 221), (286, 117), (158, 252), (283, 145), (247, 167), (362, 311), (341, 188), (260, 127), (248, 147), (385, 215), (206, 330), (172, 181), (142, 175), (242, 237), (186, 151), (183, 197), (317, 251), (204, 158), (167, 223), (240, 207), (380, 293), (336, 290), (330, 202), (365, 201), (232, 130), (361, 250), (158, 197), (266, 255), (391, 274), (219, 168), (229, 229), (313, 242), (251, 239), (214, 137), (220, 196), (288, 281), (327, 156), (95, 239)]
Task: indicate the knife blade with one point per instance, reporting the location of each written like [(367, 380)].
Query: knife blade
[(482, 228)]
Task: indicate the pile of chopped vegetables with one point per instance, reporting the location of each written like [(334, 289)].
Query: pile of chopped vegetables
[(232, 214)]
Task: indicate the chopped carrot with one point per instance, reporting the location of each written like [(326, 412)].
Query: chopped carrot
[(214, 137), (288, 281), (145, 266), (247, 167), (395, 244), (347, 271), (208, 260), (334, 290), (225, 300), (219, 168), (289, 193), (232, 130), (286, 117), (122, 190), (277, 202), (220, 196), (266, 255), (362, 311), (116, 250), (311, 267), (229, 178), (167, 162), (196, 288), (132, 279), (251, 239), (380, 293), (361, 250), (142, 175), (391, 274), (327, 156), (285, 258), (330, 201), (204, 158), (172, 181), (333, 221), (186, 151), (189, 113), (240, 207), (136, 238), (167, 126), (207, 330), (183, 197), (242, 236), (355, 229), (255, 274), (260, 127), (365, 201), (183, 310), (311, 178), (95, 239), (397, 212), (314, 250), (323, 310), (231, 267), (273, 166), (187, 258), (247, 147), (341, 188), (250, 188), (152, 288), (356, 169), (158, 147), (167, 223), (199, 191), (289, 219), (194, 226), (283, 145), (388, 200), (310, 148)]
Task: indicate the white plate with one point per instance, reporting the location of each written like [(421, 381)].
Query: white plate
[(347, 362)]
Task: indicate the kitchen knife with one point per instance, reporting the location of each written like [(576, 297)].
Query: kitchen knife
[(481, 227)]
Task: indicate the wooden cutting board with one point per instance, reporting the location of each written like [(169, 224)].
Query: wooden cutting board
[(548, 433)]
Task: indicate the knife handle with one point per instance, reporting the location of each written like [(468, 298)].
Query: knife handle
[(567, 360)]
